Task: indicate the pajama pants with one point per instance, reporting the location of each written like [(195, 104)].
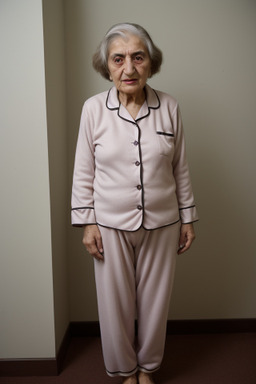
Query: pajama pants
[(135, 281)]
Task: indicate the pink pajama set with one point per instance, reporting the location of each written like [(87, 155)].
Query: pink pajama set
[(131, 178)]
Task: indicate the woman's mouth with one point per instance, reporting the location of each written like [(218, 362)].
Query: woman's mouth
[(130, 81)]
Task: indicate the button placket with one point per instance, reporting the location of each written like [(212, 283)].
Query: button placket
[(137, 163), (136, 143)]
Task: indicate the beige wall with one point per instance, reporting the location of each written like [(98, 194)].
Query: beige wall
[(55, 77), (209, 66), (26, 286), (34, 194)]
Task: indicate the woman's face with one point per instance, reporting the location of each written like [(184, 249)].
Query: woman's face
[(129, 64)]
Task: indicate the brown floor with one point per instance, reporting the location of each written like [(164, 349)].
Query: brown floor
[(189, 359)]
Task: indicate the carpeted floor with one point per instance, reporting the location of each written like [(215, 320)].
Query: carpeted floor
[(189, 359)]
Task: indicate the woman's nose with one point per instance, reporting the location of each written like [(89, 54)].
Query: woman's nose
[(129, 67)]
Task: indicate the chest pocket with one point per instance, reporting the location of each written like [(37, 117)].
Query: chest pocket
[(166, 143)]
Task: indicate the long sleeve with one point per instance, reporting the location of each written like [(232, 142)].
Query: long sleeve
[(82, 201), (187, 209)]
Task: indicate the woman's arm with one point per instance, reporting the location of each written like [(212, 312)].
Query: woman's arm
[(82, 202), (188, 212)]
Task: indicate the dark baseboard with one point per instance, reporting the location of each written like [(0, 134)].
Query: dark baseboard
[(52, 367), (177, 327), (37, 367), (61, 354), (85, 329), (183, 327)]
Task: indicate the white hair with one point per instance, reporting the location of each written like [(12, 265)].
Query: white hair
[(100, 58)]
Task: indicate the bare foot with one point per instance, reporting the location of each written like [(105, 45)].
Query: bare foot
[(130, 380), (145, 378)]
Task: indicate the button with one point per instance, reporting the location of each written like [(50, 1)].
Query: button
[(137, 163), (139, 207), (135, 142), (139, 187)]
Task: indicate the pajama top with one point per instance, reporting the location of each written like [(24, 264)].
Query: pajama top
[(131, 173)]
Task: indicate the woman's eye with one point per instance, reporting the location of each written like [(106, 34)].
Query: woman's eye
[(118, 60), (138, 58)]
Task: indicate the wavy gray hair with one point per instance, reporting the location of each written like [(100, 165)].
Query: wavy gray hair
[(100, 58)]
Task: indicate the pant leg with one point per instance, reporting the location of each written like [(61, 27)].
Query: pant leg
[(156, 259), (116, 294), (138, 266)]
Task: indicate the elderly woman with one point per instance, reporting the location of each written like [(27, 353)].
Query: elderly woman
[(132, 194)]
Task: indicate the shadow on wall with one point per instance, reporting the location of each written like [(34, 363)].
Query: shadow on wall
[(219, 270)]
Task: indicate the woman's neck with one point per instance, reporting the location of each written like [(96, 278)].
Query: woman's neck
[(132, 102), (132, 99)]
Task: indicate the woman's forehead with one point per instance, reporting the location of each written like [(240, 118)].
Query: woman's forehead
[(128, 44)]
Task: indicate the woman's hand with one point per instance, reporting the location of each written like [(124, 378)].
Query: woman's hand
[(187, 236), (93, 242)]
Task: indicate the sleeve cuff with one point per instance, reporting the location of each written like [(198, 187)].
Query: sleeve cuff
[(188, 215), (82, 216)]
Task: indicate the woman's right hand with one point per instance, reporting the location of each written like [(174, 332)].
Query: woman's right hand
[(93, 242)]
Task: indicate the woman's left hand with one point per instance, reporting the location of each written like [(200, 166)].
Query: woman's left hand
[(187, 236)]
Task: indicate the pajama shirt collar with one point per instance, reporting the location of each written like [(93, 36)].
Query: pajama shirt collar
[(152, 102)]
